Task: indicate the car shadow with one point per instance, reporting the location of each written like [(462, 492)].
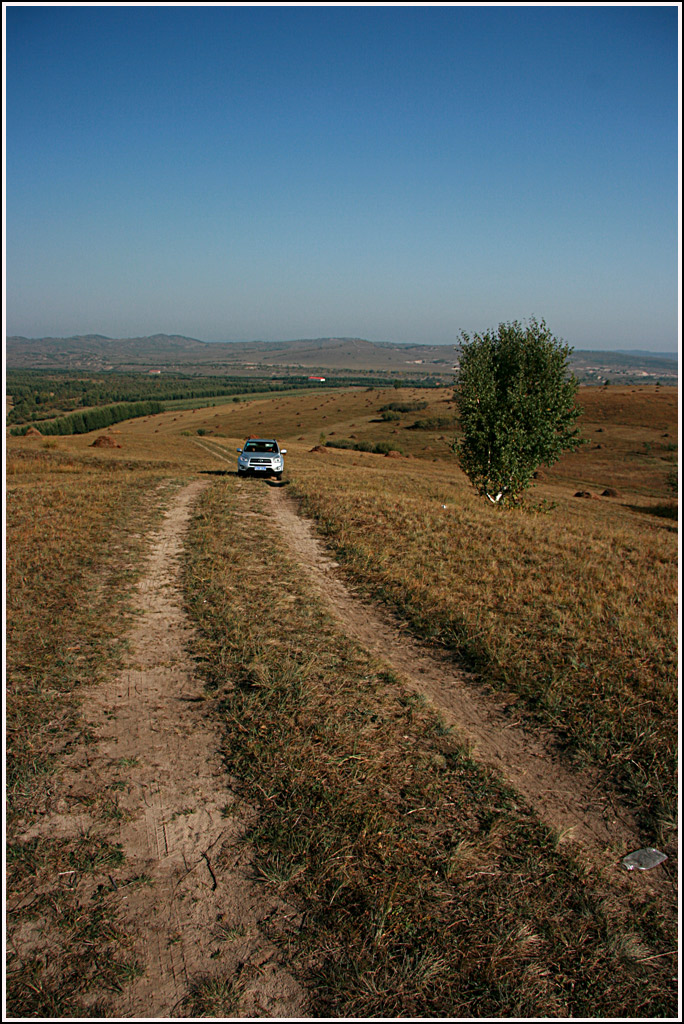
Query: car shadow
[(243, 476)]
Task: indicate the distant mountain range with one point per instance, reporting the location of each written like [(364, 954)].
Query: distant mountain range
[(163, 351), (173, 352)]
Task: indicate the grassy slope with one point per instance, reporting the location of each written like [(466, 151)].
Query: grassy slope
[(559, 934), (427, 888), (574, 613), (571, 612)]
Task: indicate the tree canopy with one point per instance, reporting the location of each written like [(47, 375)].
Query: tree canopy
[(516, 405)]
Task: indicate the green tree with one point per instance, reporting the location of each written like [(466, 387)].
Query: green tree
[(516, 405)]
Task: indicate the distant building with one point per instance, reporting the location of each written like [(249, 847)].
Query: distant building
[(316, 378), (154, 371)]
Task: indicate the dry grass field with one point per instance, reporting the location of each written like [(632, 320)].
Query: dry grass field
[(426, 886), (571, 610)]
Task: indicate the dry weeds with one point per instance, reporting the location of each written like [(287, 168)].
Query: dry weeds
[(425, 884), (73, 535), (573, 614), (427, 888)]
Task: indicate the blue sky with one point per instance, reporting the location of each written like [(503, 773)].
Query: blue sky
[(392, 173)]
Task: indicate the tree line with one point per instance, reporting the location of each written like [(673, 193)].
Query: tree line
[(92, 419), (43, 394), (39, 395)]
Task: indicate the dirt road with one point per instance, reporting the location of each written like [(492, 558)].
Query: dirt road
[(574, 803), (198, 918)]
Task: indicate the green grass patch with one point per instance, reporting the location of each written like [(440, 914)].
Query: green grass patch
[(83, 948), (435, 423), (403, 407)]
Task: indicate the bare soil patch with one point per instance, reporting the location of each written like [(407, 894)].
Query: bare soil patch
[(197, 921), (575, 803)]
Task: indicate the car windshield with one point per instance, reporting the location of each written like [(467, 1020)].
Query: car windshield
[(261, 446)]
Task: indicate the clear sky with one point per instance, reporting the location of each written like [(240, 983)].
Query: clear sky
[(391, 173)]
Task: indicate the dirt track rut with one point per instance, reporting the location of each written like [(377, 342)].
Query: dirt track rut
[(199, 916), (203, 914), (574, 803)]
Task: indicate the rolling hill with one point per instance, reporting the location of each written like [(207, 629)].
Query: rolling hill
[(94, 352)]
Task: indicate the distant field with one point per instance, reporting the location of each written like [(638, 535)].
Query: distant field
[(426, 886), (37, 396), (246, 396)]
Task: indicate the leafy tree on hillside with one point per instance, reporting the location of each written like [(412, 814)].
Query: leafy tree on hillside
[(516, 404)]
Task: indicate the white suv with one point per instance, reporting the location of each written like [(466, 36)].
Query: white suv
[(261, 455)]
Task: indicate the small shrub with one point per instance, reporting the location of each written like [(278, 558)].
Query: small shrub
[(435, 423), (381, 448), (403, 407)]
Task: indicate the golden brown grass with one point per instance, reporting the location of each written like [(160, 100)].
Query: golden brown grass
[(465, 903), (303, 419), (71, 530), (74, 542), (427, 889), (572, 610)]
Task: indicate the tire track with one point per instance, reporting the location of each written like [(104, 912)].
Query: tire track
[(174, 829), (572, 802)]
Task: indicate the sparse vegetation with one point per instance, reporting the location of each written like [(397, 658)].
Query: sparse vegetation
[(212, 997), (73, 533), (403, 407), (380, 448), (434, 423)]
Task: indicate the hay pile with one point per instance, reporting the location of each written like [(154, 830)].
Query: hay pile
[(105, 441)]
